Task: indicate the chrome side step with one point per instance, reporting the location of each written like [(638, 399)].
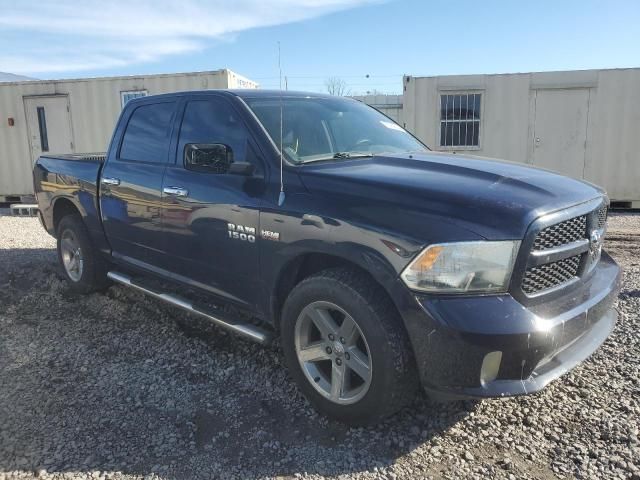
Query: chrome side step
[(249, 331)]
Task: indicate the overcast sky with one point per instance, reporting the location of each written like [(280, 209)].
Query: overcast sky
[(369, 43)]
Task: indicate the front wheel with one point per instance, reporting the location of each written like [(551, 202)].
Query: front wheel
[(346, 347)]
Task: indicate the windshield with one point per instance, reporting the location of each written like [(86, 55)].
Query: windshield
[(315, 129)]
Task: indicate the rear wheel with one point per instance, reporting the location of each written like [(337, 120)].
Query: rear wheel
[(81, 262), (346, 347)]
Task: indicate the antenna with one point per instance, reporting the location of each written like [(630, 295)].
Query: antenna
[(281, 196)]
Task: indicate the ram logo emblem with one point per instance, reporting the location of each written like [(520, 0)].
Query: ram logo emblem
[(595, 244), (241, 232)]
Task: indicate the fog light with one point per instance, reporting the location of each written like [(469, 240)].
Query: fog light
[(490, 367)]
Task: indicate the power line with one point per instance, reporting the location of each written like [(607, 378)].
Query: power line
[(275, 85), (331, 75)]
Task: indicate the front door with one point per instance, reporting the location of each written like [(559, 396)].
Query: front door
[(49, 125), (210, 216), (131, 184), (560, 132)]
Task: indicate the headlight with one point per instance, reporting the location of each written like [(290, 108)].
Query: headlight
[(463, 267)]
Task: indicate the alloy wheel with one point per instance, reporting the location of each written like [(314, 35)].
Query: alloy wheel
[(333, 352), (71, 253)]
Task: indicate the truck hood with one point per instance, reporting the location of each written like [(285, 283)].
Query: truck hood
[(492, 198)]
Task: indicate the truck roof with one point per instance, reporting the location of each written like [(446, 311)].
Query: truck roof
[(254, 93), (242, 93)]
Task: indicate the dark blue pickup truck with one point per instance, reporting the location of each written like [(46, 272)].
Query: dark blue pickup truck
[(380, 265)]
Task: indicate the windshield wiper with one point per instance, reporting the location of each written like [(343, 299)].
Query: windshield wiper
[(352, 155), (340, 155)]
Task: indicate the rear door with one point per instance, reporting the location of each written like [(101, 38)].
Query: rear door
[(211, 216), (131, 183)]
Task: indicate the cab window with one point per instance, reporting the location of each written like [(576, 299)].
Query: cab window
[(148, 133), (213, 132)]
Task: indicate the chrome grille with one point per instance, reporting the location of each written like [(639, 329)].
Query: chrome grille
[(550, 275), (602, 217), (561, 233)]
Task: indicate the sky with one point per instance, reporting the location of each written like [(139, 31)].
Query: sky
[(369, 44)]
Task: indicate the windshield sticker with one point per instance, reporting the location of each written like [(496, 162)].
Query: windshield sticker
[(391, 125)]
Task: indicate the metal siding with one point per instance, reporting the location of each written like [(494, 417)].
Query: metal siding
[(508, 114), (504, 128), (613, 156), (95, 107), (390, 105)]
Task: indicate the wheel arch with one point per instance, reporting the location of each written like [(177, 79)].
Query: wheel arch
[(62, 207), (306, 264)]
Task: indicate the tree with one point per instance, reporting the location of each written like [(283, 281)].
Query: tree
[(336, 86)]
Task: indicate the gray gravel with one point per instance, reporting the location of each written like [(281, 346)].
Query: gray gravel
[(115, 385)]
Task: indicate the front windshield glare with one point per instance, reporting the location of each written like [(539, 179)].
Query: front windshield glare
[(316, 129)]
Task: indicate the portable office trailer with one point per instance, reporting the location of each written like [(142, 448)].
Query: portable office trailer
[(68, 116), (581, 123), (390, 105)]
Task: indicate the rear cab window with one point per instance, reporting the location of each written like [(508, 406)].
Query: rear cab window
[(148, 133)]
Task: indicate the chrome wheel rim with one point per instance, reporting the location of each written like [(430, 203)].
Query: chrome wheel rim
[(71, 254), (333, 352)]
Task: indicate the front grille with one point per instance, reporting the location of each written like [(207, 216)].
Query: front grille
[(561, 233), (602, 217), (561, 268), (550, 275)]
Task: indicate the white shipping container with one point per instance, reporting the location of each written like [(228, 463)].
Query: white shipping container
[(77, 116), (390, 105), (581, 123)]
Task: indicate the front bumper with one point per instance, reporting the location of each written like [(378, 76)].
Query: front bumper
[(492, 346)]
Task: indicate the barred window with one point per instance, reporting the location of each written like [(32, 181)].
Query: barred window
[(130, 95), (460, 120)]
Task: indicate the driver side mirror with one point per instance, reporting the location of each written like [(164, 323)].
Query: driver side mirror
[(208, 157)]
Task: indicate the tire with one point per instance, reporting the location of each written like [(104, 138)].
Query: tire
[(84, 268), (336, 299)]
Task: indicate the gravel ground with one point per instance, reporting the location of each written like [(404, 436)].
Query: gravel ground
[(116, 385)]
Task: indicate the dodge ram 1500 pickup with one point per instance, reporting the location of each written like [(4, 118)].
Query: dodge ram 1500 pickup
[(380, 265)]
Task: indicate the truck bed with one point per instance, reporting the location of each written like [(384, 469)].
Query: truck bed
[(83, 157), (69, 177)]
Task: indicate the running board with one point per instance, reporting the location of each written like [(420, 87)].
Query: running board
[(252, 332)]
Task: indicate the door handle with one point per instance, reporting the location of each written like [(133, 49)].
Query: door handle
[(110, 181), (313, 220), (176, 191)]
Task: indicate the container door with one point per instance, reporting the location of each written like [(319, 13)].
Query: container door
[(49, 125), (560, 131)]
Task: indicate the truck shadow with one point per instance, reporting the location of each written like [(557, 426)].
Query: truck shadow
[(316, 446), (114, 382)]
